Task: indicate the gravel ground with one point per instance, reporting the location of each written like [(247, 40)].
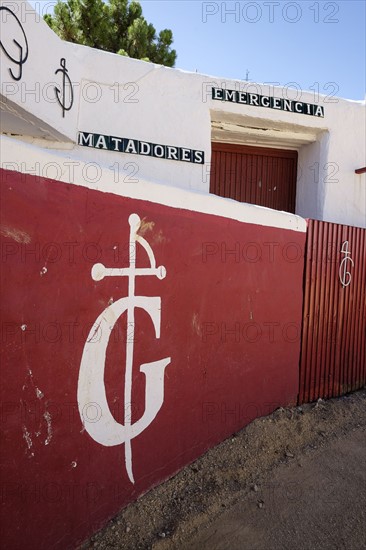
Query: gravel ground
[(294, 479)]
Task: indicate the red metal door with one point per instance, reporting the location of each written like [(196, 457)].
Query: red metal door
[(333, 348), (262, 176)]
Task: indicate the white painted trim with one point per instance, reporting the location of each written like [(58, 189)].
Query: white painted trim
[(22, 157)]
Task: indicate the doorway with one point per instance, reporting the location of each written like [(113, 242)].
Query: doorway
[(256, 175)]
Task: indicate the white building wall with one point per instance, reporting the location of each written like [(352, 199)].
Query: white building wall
[(118, 96), (345, 191)]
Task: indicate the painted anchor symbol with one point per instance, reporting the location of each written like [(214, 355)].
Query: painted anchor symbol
[(103, 428), (65, 75)]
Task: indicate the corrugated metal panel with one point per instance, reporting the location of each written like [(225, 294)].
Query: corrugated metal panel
[(333, 348), (257, 175)]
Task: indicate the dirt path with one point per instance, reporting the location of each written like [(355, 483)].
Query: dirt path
[(318, 502), (295, 479)]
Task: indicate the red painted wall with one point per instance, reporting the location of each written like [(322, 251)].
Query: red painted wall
[(230, 322)]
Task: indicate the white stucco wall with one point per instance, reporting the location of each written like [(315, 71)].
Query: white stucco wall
[(123, 97)]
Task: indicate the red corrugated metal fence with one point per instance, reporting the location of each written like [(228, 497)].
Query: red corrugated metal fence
[(333, 349)]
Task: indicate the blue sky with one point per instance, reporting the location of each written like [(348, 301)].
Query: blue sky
[(319, 45)]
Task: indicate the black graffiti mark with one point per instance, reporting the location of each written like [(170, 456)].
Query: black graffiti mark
[(65, 75), (20, 62)]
